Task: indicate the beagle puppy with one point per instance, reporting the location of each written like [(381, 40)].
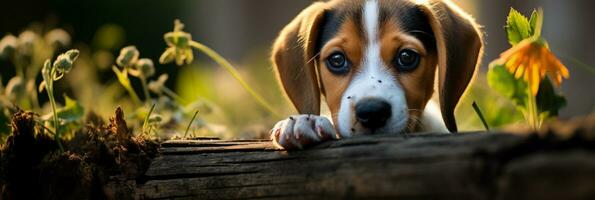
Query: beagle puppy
[(374, 62)]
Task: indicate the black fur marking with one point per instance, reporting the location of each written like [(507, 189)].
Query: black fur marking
[(329, 27), (415, 22), (332, 22)]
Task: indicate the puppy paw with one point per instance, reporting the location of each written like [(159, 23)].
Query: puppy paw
[(300, 131)]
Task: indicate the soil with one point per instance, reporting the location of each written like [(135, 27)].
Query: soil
[(102, 161)]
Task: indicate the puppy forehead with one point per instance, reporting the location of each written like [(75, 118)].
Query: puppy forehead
[(407, 15), (411, 20)]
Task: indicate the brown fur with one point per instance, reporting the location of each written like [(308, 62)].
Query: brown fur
[(350, 43), (417, 84), (460, 47), (292, 53)]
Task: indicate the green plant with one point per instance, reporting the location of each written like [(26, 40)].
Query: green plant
[(525, 72), (27, 53), (129, 63), (480, 115), (143, 69), (54, 72), (190, 124), (179, 49), (127, 58)]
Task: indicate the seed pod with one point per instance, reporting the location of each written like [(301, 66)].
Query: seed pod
[(178, 39), (58, 38), (73, 54), (8, 45), (143, 67), (63, 63), (128, 56)]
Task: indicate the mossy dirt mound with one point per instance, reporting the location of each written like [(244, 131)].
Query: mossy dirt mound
[(101, 161)]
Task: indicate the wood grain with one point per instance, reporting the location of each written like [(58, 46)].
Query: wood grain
[(420, 166)]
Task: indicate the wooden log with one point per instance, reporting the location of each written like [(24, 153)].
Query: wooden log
[(421, 166)]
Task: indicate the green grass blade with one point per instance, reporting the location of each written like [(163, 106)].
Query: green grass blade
[(225, 64), (480, 114), (146, 123), (190, 124)]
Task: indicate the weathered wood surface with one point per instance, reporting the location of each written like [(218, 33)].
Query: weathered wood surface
[(421, 166)]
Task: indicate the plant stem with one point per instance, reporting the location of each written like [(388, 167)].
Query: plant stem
[(143, 81), (50, 91), (225, 64), (581, 64), (172, 94), (190, 124), (532, 109), (125, 82)]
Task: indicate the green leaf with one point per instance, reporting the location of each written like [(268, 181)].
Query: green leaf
[(517, 27), (72, 111), (548, 101), (69, 117), (123, 79), (536, 23), (503, 82), (533, 21)]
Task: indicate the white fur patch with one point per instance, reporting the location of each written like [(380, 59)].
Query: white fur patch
[(371, 13), (373, 81), (431, 119)]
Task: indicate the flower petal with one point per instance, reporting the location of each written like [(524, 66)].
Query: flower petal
[(534, 82)]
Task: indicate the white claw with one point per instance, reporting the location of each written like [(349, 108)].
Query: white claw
[(326, 128)]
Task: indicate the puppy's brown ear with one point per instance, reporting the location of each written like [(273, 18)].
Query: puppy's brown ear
[(459, 44), (293, 58)]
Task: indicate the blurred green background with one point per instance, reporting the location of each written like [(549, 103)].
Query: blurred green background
[(243, 31)]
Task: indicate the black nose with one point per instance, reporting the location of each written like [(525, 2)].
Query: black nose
[(372, 113)]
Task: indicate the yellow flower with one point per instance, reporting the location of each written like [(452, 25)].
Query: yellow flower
[(532, 60)]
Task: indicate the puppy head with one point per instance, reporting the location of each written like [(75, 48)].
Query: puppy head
[(375, 61)]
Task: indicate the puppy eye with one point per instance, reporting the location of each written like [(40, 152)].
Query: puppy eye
[(337, 63), (407, 60)]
